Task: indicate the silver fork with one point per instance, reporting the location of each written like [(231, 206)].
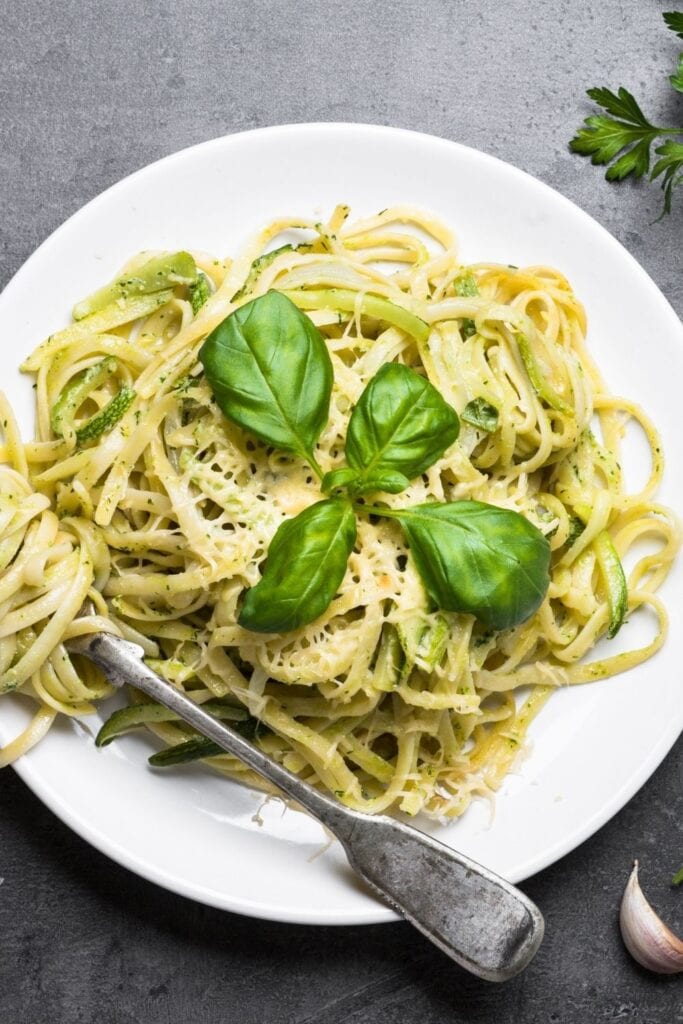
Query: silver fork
[(477, 918)]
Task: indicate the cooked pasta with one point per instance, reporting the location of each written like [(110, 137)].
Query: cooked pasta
[(139, 494)]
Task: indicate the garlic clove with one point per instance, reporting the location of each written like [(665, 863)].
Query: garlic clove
[(645, 935)]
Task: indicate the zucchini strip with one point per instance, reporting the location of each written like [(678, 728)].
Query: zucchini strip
[(387, 670), (614, 578), (259, 264), (198, 747), (538, 380), (153, 276), (114, 315), (347, 301), (195, 749), (107, 418), (72, 396), (136, 715)]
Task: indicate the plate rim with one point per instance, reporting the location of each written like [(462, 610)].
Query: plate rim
[(378, 913)]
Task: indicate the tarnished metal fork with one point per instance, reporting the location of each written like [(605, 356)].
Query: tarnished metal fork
[(477, 918)]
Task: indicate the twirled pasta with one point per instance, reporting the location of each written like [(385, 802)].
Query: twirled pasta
[(164, 519)]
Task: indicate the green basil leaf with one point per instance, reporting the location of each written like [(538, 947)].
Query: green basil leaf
[(342, 477), (477, 558), (576, 528), (270, 372), (306, 564), (390, 481), (480, 413), (399, 428)]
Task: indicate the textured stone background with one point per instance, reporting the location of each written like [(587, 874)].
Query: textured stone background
[(92, 91)]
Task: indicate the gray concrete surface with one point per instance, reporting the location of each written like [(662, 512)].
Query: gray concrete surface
[(88, 93)]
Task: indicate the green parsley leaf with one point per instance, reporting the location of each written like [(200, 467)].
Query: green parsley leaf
[(677, 78), (622, 137), (627, 132), (674, 20), (670, 166), (678, 877)]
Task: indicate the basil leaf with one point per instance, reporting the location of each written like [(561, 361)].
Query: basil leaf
[(480, 413), (477, 558), (576, 528), (337, 478), (270, 372), (306, 564), (387, 480), (399, 428)]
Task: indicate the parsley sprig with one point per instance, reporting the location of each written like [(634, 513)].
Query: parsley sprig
[(623, 137)]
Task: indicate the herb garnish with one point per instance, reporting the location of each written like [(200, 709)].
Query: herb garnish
[(478, 558), (270, 372), (622, 137), (199, 292), (306, 564), (480, 413), (400, 427)]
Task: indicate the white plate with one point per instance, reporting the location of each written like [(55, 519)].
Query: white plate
[(592, 747)]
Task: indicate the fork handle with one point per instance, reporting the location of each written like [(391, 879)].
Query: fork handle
[(477, 918)]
